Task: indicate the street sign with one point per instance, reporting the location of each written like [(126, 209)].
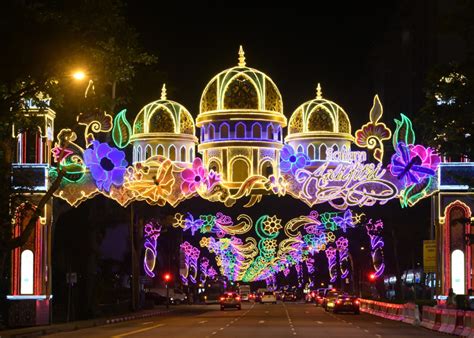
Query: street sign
[(429, 256)]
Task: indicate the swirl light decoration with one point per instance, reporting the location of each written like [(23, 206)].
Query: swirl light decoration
[(342, 245), (331, 256), (374, 230), (151, 232), (191, 256)]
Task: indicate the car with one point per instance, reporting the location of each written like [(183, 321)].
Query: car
[(230, 299), (329, 297), (319, 296), (344, 303), (176, 296), (155, 297), (268, 297), (288, 296)]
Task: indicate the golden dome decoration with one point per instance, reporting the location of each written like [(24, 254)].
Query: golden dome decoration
[(163, 116), (242, 89), (320, 116)]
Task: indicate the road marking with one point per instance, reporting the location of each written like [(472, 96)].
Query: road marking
[(366, 331), (138, 331), (349, 323), (146, 323), (378, 336), (214, 332), (221, 328), (378, 323), (261, 321), (267, 311), (306, 312), (227, 325), (319, 322), (202, 322)]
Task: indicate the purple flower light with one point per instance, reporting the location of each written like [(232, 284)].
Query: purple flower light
[(292, 161), (412, 163), (106, 164)]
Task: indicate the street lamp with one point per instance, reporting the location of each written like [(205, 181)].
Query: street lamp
[(79, 75)]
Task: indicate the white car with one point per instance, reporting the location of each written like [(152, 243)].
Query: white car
[(268, 297)]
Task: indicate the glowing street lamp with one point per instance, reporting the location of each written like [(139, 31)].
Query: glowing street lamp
[(79, 75)]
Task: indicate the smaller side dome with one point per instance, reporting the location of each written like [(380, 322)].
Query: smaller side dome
[(319, 116), (164, 116)]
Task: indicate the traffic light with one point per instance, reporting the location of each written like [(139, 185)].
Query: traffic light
[(372, 277), (167, 277)]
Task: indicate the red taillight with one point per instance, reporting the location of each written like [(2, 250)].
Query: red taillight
[(338, 302), (237, 298), (356, 302), (312, 294), (222, 298)]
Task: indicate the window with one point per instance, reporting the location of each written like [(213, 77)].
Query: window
[(224, 131), (160, 150), (270, 132), (183, 154), (26, 282), (240, 130), (211, 132), (257, 130), (172, 153)]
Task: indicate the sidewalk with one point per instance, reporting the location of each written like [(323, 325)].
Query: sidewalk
[(72, 326)]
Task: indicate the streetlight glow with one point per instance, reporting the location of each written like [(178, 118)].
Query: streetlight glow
[(79, 75)]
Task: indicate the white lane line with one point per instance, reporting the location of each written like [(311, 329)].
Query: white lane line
[(202, 322), (214, 332), (349, 323), (267, 311), (319, 322), (378, 336), (227, 325), (261, 321), (146, 323), (306, 312), (221, 328), (366, 331), (378, 323)]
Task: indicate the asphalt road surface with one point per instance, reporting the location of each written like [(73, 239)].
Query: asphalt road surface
[(255, 321)]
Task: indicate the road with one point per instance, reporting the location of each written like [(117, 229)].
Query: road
[(255, 321)]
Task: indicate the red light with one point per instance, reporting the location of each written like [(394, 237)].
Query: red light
[(356, 302), (338, 302), (222, 298), (312, 294), (237, 298), (372, 276), (167, 277)]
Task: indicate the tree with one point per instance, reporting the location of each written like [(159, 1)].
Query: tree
[(445, 121)]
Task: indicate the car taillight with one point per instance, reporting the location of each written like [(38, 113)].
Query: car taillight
[(237, 298), (356, 302), (222, 298), (338, 302), (312, 294)]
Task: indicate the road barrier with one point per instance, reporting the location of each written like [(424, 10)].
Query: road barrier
[(431, 318)]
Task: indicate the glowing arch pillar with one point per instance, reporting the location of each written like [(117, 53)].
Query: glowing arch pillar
[(30, 293)]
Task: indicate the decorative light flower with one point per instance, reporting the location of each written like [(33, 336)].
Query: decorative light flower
[(192, 224), (372, 134), (345, 221), (194, 178), (204, 242), (291, 160), (271, 225), (412, 163), (278, 185), (106, 164)]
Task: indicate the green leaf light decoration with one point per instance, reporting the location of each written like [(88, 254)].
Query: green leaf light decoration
[(403, 132), (122, 130)]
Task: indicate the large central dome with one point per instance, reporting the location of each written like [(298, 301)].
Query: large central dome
[(241, 124), (241, 89)]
